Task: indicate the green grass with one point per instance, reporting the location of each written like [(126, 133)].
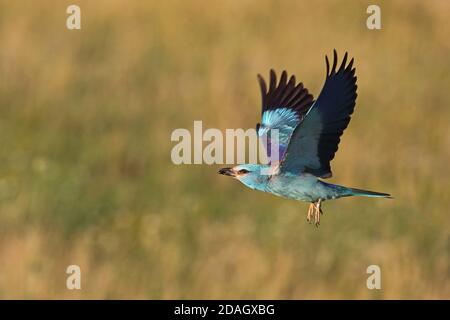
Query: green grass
[(85, 170)]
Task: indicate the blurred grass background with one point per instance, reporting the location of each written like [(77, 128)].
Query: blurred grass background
[(85, 170)]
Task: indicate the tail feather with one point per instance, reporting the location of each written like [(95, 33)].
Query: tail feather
[(367, 193)]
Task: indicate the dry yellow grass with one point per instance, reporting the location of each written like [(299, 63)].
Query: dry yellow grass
[(85, 170)]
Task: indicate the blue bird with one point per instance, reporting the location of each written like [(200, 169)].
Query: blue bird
[(308, 136)]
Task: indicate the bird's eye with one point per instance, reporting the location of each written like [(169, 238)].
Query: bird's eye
[(243, 171)]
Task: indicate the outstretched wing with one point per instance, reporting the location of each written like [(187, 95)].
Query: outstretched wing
[(315, 140), (283, 107)]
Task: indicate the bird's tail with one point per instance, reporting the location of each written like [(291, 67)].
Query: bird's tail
[(367, 193)]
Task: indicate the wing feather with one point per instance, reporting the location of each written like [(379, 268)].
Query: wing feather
[(283, 107), (315, 140)]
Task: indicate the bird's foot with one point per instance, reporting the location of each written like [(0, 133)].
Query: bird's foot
[(311, 211), (315, 211)]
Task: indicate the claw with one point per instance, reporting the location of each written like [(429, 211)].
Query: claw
[(315, 210), (310, 213)]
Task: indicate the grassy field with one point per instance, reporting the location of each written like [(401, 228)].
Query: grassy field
[(86, 176)]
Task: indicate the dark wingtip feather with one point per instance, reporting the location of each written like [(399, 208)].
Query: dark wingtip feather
[(328, 65), (263, 87), (344, 61), (273, 80), (333, 69), (283, 79), (292, 79), (261, 81), (284, 93), (350, 65)]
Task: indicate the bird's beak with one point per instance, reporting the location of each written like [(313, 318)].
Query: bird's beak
[(227, 172)]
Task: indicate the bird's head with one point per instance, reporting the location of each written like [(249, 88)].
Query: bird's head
[(248, 174)]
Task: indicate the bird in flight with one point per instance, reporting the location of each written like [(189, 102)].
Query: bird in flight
[(306, 134)]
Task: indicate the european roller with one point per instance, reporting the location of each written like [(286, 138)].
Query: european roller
[(308, 135)]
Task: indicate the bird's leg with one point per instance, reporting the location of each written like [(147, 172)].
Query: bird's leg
[(317, 212), (310, 212)]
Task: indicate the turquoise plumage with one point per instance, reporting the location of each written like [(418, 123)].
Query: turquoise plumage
[(308, 137)]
